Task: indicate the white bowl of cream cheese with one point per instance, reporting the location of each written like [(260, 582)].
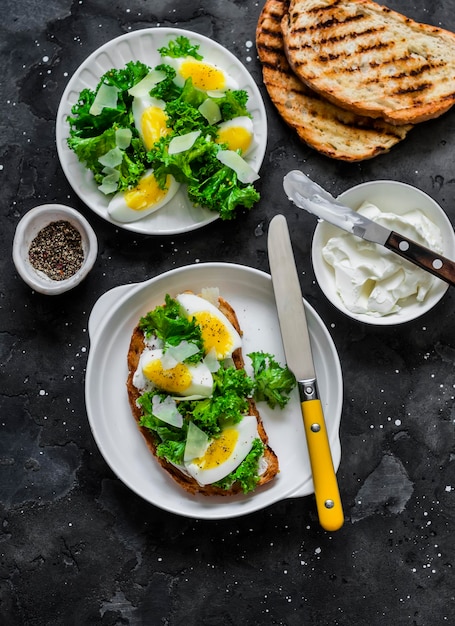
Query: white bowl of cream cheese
[(365, 280)]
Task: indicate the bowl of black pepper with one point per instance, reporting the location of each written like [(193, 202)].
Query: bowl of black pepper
[(54, 248)]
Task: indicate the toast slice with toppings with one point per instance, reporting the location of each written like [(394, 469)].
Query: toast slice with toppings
[(268, 465), (366, 58), (329, 129)]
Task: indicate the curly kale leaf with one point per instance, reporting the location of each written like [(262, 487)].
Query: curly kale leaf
[(223, 192), (228, 403), (169, 324), (170, 440), (181, 47), (273, 383)]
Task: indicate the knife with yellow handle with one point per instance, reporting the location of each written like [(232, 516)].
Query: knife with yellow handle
[(299, 359)]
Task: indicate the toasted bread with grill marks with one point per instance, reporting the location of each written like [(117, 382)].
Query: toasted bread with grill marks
[(333, 131), (371, 60), (270, 460)]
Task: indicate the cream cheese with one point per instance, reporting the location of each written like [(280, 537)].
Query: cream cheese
[(372, 280)]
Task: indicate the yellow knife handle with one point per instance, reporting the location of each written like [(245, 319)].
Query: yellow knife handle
[(326, 490)]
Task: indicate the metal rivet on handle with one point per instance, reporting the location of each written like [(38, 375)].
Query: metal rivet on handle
[(329, 504), (315, 428), (437, 264)]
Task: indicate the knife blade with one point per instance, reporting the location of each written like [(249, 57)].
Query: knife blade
[(299, 358), (308, 195)]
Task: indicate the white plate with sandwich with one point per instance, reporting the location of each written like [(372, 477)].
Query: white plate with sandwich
[(250, 293), (178, 215)]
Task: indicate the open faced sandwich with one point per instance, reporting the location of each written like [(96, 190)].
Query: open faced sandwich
[(193, 400)]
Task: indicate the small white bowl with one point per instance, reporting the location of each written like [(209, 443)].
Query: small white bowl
[(394, 197), (27, 229)]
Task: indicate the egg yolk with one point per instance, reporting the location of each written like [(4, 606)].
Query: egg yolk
[(153, 126), (146, 193), (204, 76), (214, 334), (236, 138), (173, 380), (219, 450)]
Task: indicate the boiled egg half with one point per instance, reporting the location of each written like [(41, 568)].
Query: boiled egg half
[(238, 134), (150, 119), (220, 456), (147, 197), (176, 379), (218, 333), (205, 76)]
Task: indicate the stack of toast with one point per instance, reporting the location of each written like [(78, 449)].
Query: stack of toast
[(353, 77)]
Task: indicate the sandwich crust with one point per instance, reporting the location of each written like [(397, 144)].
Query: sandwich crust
[(331, 130), (188, 482), (366, 58)]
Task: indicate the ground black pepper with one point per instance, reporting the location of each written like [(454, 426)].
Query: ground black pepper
[(57, 250)]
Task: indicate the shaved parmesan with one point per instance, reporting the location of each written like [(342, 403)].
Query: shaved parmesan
[(177, 354), (197, 443), (109, 184), (166, 410), (211, 361), (244, 171), (144, 86), (112, 158), (211, 111), (211, 294), (106, 98), (180, 143), (123, 138)]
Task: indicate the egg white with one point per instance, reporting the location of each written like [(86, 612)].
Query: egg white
[(206, 76), (217, 331), (201, 380), (149, 198), (224, 454), (237, 133), (149, 119)]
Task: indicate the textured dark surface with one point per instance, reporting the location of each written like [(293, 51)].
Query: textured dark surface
[(77, 546)]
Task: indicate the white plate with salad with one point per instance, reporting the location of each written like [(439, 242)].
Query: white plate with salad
[(179, 214), (250, 292)]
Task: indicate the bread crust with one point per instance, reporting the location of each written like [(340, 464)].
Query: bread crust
[(331, 130), (188, 483), (366, 58)]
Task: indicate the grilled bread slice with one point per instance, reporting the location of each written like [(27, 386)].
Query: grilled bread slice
[(269, 461), (370, 59), (333, 131)]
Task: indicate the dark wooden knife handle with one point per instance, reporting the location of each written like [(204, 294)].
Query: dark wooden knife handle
[(423, 257)]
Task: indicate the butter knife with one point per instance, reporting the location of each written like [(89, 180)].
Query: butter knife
[(299, 358), (308, 195)]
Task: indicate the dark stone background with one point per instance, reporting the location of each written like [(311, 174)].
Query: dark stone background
[(76, 545)]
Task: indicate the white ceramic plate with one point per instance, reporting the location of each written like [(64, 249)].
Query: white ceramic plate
[(179, 215), (396, 197), (250, 292)]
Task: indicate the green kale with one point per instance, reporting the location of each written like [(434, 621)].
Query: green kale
[(170, 440), (223, 192), (166, 89), (127, 77), (90, 149), (228, 403), (169, 324), (84, 124), (233, 104), (173, 451), (187, 167), (181, 47), (273, 383), (247, 472)]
